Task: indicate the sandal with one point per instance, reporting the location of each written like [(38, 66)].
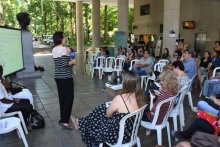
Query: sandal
[(75, 122), (67, 126)]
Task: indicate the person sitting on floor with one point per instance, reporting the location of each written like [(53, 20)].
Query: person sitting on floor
[(102, 124)]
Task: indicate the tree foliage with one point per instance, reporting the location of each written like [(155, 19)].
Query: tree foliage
[(49, 16)]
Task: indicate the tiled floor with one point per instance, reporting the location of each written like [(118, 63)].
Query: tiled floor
[(88, 94)]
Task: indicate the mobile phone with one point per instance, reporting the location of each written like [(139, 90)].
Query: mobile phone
[(151, 91)]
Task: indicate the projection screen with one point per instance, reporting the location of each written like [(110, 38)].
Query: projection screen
[(11, 51)]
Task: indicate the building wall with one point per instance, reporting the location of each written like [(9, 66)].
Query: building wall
[(205, 14)]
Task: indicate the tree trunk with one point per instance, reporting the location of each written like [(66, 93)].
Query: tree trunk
[(106, 24)]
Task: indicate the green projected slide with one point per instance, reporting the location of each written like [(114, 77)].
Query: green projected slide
[(11, 55)]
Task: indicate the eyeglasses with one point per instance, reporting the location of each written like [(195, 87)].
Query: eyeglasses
[(175, 54)]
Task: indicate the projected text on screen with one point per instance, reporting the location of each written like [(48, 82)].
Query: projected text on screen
[(11, 56)]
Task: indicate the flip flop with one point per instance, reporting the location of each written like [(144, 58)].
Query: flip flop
[(75, 122), (65, 125)]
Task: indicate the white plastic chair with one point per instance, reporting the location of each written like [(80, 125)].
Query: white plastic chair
[(213, 75), (100, 62), (153, 126), (177, 109), (134, 138), (3, 115), (163, 61), (121, 56), (109, 65), (119, 63), (157, 67), (188, 92), (135, 61), (13, 123)]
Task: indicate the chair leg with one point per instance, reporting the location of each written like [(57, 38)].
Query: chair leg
[(181, 121), (93, 72), (159, 136), (175, 125), (190, 100), (142, 81), (101, 144), (148, 131), (200, 93), (22, 135), (22, 122), (168, 134), (100, 74), (138, 142)]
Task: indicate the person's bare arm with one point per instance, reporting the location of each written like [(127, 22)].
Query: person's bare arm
[(113, 106), (8, 101)]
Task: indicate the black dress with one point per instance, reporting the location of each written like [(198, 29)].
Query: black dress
[(97, 128)]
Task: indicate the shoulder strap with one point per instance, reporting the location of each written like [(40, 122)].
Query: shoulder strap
[(124, 103)]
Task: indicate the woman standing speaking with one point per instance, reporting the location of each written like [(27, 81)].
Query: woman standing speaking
[(63, 77)]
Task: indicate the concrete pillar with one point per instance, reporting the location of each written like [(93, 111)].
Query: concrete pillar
[(123, 16), (171, 22), (79, 27), (96, 39)]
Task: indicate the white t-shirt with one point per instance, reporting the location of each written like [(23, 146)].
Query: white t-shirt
[(4, 94)]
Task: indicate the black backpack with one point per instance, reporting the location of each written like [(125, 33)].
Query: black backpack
[(35, 120)]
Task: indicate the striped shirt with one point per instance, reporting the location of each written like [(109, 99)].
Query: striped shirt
[(61, 61), (163, 109)]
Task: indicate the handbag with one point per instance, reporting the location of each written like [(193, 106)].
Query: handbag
[(213, 120), (15, 90), (35, 120)]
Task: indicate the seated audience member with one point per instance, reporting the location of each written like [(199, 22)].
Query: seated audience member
[(189, 63), (119, 51), (176, 57), (106, 51), (206, 124), (24, 94), (102, 124), (140, 53), (170, 88), (215, 61), (129, 58), (144, 66), (200, 139), (203, 66), (100, 54), (182, 78), (208, 105), (141, 43), (124, 51), (166, 54), (152, 52), (210, 86), (180, 45), (197, 56), (217, 46)]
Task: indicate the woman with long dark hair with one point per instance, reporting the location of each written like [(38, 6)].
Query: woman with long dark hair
[(102, 124), (166, 54), (63, 77)]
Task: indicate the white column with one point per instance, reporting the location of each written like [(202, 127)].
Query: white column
[(171, 22), (123, 16), (96, 23), (79, 27)]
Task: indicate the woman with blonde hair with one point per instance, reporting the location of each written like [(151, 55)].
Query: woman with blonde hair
[(169, 82), (102, 124)]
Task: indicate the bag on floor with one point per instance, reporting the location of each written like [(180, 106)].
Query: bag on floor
[(36, 121)]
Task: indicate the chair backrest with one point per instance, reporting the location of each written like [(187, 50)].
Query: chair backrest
[(171, 102), (215, 71), (137, 119), (121, 56), (163, 61), (191, 83), (159, 67), (181, 95), (135, 61), (100, 61), (119, 63), (110, 62)]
